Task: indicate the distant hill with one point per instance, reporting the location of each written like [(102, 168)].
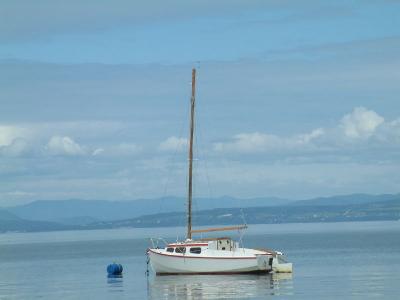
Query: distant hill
[(10, 222), (97, 214), (87, 211), (6, 215), (346, 199), (376, 211)]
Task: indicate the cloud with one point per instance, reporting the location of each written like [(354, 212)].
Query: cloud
[(100, 138), (9, 133), (65, 145), (361, 127), (97, 151), (261, 142), (361, 123), (17, 147), (14, 140), (389, 133), (173, 144)]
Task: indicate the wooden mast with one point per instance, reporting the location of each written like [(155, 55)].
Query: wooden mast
[(190, 189)]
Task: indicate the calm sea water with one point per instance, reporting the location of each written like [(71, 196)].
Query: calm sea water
[(331, 261)]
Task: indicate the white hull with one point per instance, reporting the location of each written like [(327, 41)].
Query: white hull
[(163, 263)]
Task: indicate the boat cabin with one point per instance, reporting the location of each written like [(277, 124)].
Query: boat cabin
[(197, 247), (224, 243)]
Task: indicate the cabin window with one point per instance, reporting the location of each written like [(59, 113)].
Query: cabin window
[(170, 249), (195, 250), (223, 248), (180, 249)]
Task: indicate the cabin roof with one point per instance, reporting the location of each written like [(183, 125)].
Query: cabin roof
[(214, 239)]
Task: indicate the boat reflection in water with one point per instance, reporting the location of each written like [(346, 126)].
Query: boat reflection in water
[(220, 286)]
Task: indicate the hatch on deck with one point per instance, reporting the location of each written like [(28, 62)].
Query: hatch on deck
[(226, 244)]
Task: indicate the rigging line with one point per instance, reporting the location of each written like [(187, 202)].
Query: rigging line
[(196, 183), (200, 142), (172, 162), (196, 175), (196, 172), (194, 199), (243, 216), (199, 136), (198, 156), (203, 156), (241, 234)]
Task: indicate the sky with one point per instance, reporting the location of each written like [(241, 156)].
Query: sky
[(295, 99)]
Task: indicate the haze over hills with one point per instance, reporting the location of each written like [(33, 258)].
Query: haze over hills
[(170, 211), (11, 222), (87, 211), (373, 211), (6, 215), (346, 199)]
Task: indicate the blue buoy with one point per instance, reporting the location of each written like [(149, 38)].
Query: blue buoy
[(114, 269)]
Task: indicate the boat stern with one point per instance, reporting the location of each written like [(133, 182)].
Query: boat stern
[(280, 265), (264, 262)]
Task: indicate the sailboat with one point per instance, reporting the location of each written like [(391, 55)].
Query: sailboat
[(221, 255)]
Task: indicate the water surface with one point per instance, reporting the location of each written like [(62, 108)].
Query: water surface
[(331, 260)]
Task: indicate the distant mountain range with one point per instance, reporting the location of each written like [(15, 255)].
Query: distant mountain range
[(347, 199), (375, 211), (170, 211), (10, 222), (72, 212)]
